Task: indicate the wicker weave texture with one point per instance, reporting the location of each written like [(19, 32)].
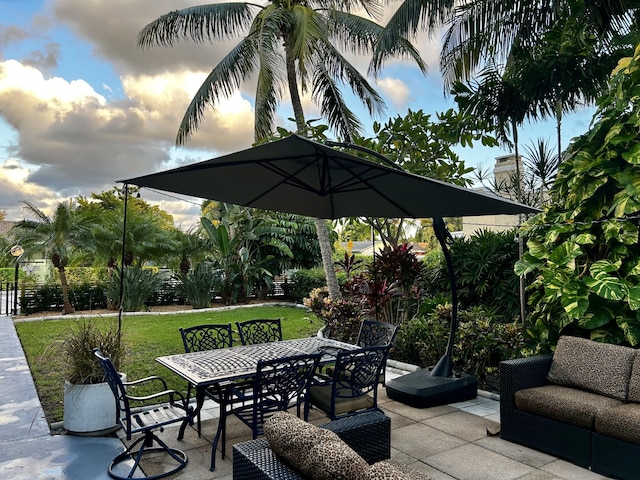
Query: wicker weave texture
[(369, 434)]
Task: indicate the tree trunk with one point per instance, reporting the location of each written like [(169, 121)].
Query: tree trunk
[(327, 259), (559, 128), (67, 308), (321, 227)]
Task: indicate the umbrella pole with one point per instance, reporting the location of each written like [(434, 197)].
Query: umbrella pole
[(444, 367), (122, 254)]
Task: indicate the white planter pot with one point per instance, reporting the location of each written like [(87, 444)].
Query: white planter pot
[(320, 333), (89, 409)]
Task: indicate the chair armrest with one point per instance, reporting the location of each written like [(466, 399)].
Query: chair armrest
[(170, 393), (146, 380), (523, 373)]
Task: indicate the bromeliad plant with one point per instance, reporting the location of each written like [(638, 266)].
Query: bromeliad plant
[(583, 249)]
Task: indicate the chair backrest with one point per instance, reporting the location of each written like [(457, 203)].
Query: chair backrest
[(123, 410), (374, 333), (262, 330), (281, 384), (357, 373), (206, 337)]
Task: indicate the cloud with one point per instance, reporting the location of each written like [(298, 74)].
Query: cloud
[(396, 90)]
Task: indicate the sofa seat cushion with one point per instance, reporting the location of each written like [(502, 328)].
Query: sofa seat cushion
[(390, 470), (315, 453), (569, 405), (621, 422), (593, 366), (321, 398)]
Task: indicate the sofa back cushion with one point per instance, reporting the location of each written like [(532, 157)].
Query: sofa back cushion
[(593, 366)]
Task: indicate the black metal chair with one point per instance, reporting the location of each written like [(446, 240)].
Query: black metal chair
[(279, 384), (207, 337), (262, 330), (145, 421), (374, 333), (353, 387)]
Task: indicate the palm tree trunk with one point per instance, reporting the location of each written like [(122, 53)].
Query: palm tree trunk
[(67, 308), (559, 128), (321, 226)]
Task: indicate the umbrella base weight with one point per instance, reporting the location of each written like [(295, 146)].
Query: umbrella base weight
[(421, 390)]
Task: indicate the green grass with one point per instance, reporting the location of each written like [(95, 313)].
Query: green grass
[(146, 337)]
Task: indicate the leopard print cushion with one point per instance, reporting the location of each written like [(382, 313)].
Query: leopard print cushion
[(314, 452), (593, 366), (389, 470)]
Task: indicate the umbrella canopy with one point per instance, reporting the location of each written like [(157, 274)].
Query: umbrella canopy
[(297, 175)]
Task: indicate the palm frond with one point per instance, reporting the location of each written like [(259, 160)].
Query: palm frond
[(340, 68), (238, 65), (332, 105), (212, 22)]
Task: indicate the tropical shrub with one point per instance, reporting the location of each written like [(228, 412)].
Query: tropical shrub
[(303, 281), (138, 285), (342, 318), (483, 265), (198, 285), (583, 254), (481, 344)]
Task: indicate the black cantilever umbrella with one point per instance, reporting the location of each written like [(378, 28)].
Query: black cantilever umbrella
[(297, 175)]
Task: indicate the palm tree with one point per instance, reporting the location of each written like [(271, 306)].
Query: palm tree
[(59, 235), (486, 31), (294, 44)]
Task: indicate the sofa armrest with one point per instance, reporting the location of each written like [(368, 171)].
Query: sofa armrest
[(522, 373)]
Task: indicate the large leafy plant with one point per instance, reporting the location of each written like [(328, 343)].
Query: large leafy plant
[(583, 249)]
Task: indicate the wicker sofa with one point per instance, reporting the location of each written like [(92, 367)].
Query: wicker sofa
[(354, 447), (582, 404)]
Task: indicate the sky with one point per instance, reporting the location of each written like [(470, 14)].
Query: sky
[(82, 107)]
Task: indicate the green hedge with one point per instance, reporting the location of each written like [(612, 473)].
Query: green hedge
[(303, 281)]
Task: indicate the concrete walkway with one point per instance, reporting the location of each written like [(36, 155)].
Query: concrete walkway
[(451, 442)]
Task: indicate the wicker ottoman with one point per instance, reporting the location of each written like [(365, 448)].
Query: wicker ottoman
[(369, 434)]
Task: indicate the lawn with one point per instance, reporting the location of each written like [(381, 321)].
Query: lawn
[(146, 337)]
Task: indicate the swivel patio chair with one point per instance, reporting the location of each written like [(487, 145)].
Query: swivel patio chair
[(353, 387), (279, 384), (207, 337), (259, 331), (144, 421)]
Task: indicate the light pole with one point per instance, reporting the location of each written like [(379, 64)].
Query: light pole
[(16, 251)]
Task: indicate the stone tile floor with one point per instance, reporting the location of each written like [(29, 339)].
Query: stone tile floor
[(447, 442)]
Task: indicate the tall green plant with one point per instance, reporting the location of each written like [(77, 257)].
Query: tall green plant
[(583, 252), (138, 285), (198, 285), (483, 264)]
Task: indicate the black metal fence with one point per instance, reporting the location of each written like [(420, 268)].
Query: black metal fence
[(8, 302), (33, 298)]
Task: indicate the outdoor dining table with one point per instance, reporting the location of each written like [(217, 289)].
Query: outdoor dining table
[(209, 368)]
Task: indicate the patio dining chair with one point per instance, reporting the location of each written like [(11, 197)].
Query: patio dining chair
[(145, 421), (279, 384), (207, 337), (374, 333), (261, 330), (353, 387)]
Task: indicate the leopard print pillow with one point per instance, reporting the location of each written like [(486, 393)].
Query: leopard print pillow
[(334, 460), (314, 452), (389, 470)]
